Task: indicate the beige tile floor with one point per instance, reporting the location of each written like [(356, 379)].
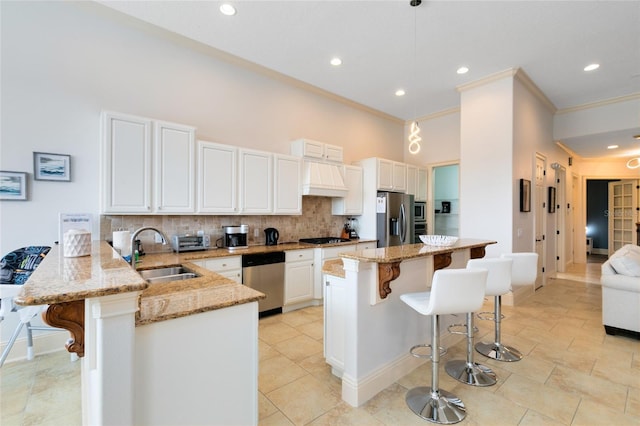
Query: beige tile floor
[(572, 373)]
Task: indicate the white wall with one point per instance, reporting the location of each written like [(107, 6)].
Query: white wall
[(440, 139), (486, 164), (63, 62), (606, 117)]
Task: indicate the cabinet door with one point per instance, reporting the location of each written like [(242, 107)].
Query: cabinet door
[(174, 168), (256, 182), (333, 153), (421, 185), (126, 164), (217, 178), (412, 183), (351, 204), (287, 194), (334, 320), (399, 177), (298, 282), (385, 175)]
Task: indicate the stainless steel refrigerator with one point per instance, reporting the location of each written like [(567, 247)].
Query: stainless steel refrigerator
[(394, 219)]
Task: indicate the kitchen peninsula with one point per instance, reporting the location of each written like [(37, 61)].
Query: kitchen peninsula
[(172, 353), (368, 329)]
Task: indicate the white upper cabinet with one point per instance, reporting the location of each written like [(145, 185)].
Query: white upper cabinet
[(126, 164), (256, 181), (217, 178), (174, 160), (317, 150), (287, 191), (421, 185), (129, 157), (417, 182), (351, 204), (392, 175)]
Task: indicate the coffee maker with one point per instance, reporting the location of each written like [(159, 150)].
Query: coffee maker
[(236, 236)]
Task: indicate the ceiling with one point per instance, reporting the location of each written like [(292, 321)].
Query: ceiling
[(389, 45)]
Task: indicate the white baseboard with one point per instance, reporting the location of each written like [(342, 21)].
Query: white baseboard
[(357, 392), (43, 343)]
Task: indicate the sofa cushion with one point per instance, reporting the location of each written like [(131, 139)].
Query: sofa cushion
[(626, 264)]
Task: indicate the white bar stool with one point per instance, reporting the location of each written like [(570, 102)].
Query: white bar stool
[(452, 291), (468, 371), (524, 269)]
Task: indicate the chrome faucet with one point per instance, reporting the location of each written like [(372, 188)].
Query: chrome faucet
[(135, 235)]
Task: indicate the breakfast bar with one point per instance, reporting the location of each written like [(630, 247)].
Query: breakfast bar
[(368, 330), (181, 352)]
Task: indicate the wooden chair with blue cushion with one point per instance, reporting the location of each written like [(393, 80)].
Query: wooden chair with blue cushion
[(15, 269)]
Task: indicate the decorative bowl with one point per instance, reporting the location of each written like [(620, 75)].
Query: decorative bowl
[(438, 240)]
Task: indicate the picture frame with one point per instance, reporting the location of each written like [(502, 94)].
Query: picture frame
[(49, 166), (525, 195), (13, 186), (552, 200)]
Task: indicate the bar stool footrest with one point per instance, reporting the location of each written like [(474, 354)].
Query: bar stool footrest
[(488, 316), (413, 351), (452, 329)]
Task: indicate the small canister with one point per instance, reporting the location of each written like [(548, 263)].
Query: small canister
[(77, 243)]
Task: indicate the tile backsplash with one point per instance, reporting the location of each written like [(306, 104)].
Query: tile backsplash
[(316, 221)]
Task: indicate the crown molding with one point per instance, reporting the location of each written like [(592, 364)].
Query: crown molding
[(598, 104), (435, 115), (567, 149), (518, 74)]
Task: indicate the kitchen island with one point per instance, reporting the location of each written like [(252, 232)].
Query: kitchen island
[(368, 329), (172, 353)]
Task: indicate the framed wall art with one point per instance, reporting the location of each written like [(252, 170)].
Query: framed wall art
[(525, 195), (13, 186), (47, 166), (552, 200)]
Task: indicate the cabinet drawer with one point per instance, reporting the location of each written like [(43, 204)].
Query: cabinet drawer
[(299, 255), (223, 263)]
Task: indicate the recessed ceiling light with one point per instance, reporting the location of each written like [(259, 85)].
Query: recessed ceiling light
[(462, 70), (227, 9), (592, 67), (636, 136), (612, 147), (336, 62), (400, 92)]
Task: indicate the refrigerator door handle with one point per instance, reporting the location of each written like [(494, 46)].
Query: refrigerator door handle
[(403, 224)]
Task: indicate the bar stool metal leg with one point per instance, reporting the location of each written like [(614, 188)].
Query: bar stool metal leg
[(470, 372), (431, 403), (497, 350)]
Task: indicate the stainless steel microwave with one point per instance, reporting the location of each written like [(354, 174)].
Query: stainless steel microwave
[(420, 211)]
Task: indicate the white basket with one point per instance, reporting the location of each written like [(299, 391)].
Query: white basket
[(438, 240)]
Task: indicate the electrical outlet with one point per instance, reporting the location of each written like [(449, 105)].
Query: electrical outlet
[(256, 232), (519, 232)]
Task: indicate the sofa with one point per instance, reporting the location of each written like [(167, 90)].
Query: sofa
[(620, 281)]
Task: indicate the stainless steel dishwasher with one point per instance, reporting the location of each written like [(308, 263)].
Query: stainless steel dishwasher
[(265, 272)]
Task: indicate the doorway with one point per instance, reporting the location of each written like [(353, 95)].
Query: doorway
[(446, 199)]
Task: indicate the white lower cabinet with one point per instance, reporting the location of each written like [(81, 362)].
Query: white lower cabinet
[(321, 255), (334, 322), (229, 266), (367, 246), (298, 279)]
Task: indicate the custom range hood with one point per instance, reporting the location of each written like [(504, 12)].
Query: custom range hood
[(322, 179)]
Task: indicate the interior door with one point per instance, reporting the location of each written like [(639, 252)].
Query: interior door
[(622, 214), (540, 211)]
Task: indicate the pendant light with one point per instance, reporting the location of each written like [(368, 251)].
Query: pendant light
[(414, 131)]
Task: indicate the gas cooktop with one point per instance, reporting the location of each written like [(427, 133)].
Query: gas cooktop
[(324, 240)]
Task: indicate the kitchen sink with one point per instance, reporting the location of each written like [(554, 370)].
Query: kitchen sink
[(164, 275)]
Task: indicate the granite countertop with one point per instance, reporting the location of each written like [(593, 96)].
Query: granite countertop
[(411, 251), (61, 279)]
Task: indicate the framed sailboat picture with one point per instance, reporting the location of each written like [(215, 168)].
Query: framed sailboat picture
[(47, 166), (13, 186)]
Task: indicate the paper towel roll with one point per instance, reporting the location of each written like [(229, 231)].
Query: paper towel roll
[(122, 242), (77, 242)]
